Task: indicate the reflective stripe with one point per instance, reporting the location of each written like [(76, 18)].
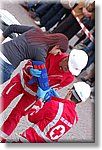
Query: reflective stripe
[(50, 125), (31, 105), (26, 74), (29, 66), (24, 85), (40, 133), (10, 88), (55, 120), (4, 135), (22, 139)]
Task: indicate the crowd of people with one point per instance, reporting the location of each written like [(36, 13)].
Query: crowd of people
[(48, 68)]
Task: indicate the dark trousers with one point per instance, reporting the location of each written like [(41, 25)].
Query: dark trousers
[(90, 48), (69, 27), (51, 13), (66, 24), (55, 19), (43, 9)]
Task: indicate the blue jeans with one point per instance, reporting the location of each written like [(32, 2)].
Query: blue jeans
[(89, 47), (91, 60), (5, 71)]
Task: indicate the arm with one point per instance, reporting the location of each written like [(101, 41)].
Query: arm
[(60, 82), (15, 29), (66, 81), (1, 38), (55, 50)]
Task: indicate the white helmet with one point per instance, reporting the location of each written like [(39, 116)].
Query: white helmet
[(83, 90), (77, 61)]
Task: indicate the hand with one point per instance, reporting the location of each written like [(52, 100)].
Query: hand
[(55, 50), (86, 13), (54, 93), (42, 94), (35, 72), (1, 38)]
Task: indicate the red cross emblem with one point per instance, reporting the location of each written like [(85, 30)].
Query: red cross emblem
[(57, 132)]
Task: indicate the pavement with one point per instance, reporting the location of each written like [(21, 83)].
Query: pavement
[(84, 130)]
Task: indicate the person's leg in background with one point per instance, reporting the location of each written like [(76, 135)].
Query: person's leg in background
[(90, 74), (50, 14), (72, 30), (68, 12), (55, 19), (42, 9), (90, 50), (90, 47), (65, 24), (89, 24), (91, 60)]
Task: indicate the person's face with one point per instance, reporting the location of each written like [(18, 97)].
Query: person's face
[(64, 65)]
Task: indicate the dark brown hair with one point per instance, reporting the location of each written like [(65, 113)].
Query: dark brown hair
[(38, 38)]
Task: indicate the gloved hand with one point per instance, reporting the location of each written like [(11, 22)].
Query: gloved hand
[(35, 72), (42, 94), (54, 93)]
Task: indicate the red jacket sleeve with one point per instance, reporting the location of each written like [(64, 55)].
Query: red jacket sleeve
[(67, 80), (40, 115)]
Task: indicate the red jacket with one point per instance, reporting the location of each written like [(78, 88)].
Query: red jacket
[(52, 121), (55, 75)]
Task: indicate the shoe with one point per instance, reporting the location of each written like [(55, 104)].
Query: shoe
[(43, 29), (70, 47), (37, 22)]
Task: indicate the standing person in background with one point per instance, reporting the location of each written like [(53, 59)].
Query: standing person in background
[(70, 26), (53, 16), (32, 43)]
